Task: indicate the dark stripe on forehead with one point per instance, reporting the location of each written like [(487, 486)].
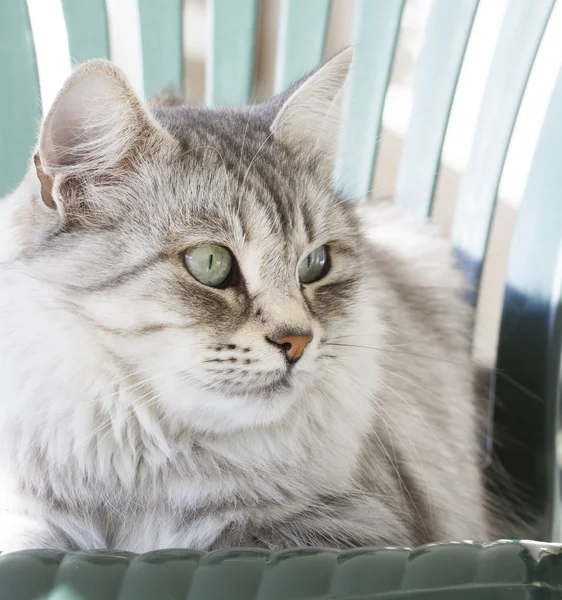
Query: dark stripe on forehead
[(257, 168), (246, 153), (308, 221), (279, 192), (237, 146), (237, 161)]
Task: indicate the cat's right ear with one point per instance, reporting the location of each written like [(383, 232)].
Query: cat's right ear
[(94, 124), (309, 118)]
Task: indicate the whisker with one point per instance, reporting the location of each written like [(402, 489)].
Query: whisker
[(271, 134), (413, 408), (454, 362), (357, 335)]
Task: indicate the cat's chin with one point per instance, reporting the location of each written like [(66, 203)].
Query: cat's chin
[(280, 386), (233, 406)]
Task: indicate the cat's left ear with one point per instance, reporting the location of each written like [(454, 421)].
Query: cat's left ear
[(95, 124), (310, 117)]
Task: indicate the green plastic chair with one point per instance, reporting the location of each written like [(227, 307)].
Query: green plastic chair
[(527, 380)]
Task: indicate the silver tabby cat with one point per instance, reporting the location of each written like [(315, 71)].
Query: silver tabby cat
[(203, 346)]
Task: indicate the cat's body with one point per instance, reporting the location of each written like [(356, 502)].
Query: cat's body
[(140, 409)]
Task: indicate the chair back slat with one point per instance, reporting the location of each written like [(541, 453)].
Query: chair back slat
[(20, 105), (375, 33), (302, 33), (529, 351), (161, 27), (86, 26), (517, 45), (231, 61), (435, 81)]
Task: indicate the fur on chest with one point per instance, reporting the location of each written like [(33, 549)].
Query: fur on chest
[(187, 498), (178, 475)]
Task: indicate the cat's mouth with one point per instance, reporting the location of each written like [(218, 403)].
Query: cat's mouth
[(257, 389)]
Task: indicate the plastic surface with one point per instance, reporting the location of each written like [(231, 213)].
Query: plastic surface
[(231, 60), (528, 376), (436, 76), (520, 36), (375, 32), (87, 30), (448, 571), (161, 26), (302, 33), (20, 105)]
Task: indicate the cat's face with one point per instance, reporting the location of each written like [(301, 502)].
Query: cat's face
[(215, 264)]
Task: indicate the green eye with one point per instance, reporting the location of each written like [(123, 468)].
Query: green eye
[(209, 263), (314, 266)]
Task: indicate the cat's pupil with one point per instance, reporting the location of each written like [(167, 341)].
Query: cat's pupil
[(210, 264), (308, 260)]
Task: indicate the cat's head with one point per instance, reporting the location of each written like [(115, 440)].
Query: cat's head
[(205, 248)]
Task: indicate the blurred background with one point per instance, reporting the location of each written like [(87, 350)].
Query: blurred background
[(51, 45)]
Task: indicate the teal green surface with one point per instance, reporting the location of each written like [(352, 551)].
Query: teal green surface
[(518, 42), (20, 104), (300, 45), (375, 33), (435, 81), (161, 27), (528, 377), (231, 61), (86, 26), (462, 570)]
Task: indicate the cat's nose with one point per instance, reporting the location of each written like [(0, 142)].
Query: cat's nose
[(292, 345)]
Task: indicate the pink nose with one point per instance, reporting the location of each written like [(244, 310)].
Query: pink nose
[(293, 345)]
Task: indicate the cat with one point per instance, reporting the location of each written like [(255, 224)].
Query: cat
[(202, 345)]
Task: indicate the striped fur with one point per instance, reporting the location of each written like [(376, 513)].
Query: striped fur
[(143, 410)]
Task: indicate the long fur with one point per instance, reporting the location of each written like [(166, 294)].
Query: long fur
[(142, 410)]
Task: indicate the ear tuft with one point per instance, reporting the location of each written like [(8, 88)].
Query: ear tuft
[(310, 117), (95, 120)]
